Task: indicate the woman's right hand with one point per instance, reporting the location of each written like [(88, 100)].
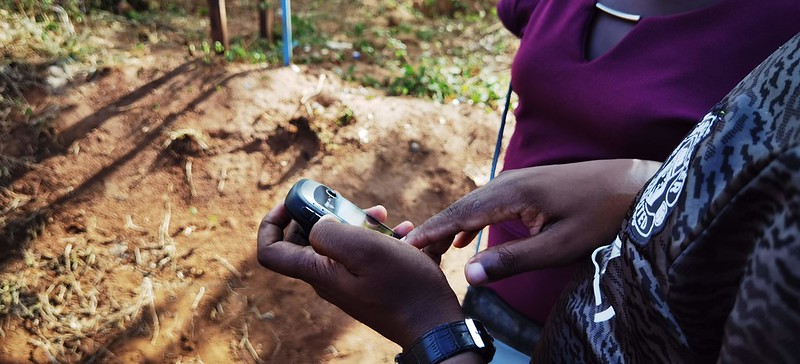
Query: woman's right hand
[(569, 210)]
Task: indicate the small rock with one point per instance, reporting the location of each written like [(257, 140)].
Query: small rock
[(194, 272), (118, 250), (331, 350), (338, 46), (57, 78), (414, 147), (363, 135)]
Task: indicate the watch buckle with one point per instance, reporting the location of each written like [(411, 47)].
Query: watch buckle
[(474, 333)]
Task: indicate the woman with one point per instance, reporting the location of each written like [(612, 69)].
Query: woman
[(609, 80)]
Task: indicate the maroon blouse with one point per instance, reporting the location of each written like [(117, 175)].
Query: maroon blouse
[(638, 100)]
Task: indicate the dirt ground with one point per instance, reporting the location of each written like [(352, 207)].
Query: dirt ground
[(144, 218)]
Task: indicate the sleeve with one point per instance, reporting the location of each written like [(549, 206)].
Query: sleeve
[(515, 14), (764, 322)]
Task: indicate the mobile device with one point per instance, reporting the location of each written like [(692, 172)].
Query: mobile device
[(309, 200)]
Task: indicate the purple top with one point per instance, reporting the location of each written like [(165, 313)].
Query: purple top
[(637, 100)]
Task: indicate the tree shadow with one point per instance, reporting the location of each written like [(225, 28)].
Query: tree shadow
[(372, 186), (19, 230), (308, 143), (275, 335), (57, 142), (23, 228), (81, 128)]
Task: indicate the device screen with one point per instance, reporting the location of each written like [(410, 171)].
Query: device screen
[(348, 211)]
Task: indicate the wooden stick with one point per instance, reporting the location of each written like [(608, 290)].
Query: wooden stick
[(223, 175), (138, 255), (228, 265), (148, 289), (163, 230), (219, 22), (131, 226), (73, 281), (189, 180), (277, 344), (262, 19), (270, 23), (246, 342), (316, 91), (198, 298), (46, 347)]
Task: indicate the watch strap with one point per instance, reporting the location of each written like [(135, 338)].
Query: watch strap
[(445, 341)]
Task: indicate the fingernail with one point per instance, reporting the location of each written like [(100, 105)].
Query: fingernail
[(476, 275)]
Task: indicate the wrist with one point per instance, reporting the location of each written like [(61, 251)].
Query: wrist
[(626, 179), (467, 357), (641, 171), (425, 319), (450, 343)]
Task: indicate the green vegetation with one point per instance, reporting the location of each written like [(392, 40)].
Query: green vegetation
[(444, 78), (72, 37), (436, 49), (416, 60)]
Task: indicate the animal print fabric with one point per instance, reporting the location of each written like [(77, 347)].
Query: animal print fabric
[(706, 267)]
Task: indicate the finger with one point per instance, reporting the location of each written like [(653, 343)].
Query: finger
[(464, 238), (403, 228), (551, 248), (272, 226), (436, 250), (352, 246), (291, 260), (377, 212), (437, 258), (538, 224), (472, 212), (281, 256), (295, 234)]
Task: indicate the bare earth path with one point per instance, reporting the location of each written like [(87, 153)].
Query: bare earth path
[(153, 202)]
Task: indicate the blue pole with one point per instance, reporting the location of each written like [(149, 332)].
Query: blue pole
[(286, 10)]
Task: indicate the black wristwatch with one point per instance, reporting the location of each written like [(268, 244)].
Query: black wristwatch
[(445, 341)]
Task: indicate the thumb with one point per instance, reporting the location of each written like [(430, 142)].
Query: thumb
[(351, 246), (553, 247)]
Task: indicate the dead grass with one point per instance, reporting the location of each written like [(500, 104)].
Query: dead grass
[(65, 301), (187, 142)]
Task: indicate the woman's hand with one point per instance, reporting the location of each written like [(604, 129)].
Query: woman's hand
[(569, 209), (388, 285)]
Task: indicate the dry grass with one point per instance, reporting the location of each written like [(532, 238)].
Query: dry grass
[(19, 223), (10, 200), (62, 303), (48, 50), (66, 303), (52, 35), (187, 140), (14, 81)]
